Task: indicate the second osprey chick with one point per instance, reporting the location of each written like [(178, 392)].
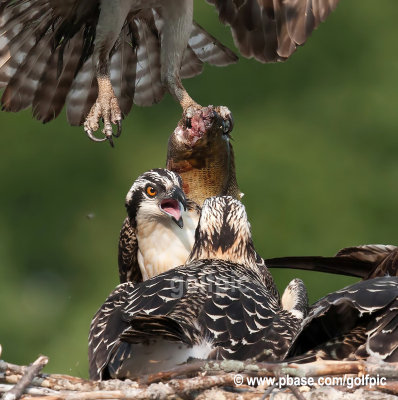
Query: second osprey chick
[(158, 233)]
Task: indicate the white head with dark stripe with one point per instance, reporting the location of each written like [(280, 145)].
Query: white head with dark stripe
[(224, 232), (157, 196)]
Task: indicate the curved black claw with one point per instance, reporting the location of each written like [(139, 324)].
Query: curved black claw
[(110, 141), (119, 128)]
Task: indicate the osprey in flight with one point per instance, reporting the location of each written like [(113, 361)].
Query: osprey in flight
[(100, 57)]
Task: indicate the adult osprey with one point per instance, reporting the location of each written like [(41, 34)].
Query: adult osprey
[(101, 56)]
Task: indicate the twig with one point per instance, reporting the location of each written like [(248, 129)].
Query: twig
[(30, 372), (204, 377), (317, 368), (34, 391), (268, 391), (296, 392)]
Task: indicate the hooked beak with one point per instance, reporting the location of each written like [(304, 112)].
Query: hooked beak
[(173, 206)]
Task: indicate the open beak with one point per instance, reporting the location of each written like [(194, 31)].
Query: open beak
[(174, 205)]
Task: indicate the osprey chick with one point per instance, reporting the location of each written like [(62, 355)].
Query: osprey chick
[(101, 56), (158, 232), (217, 306)]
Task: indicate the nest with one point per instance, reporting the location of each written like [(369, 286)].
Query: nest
[(223, 380)]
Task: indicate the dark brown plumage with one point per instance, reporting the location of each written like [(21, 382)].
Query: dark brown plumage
[(271, 30), (220, 305), (356, 322), (100, 58), (366, 262)]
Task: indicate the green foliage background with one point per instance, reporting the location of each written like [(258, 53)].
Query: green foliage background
[(316, 146)]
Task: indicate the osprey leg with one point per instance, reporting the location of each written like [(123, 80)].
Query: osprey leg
[(106, 106)]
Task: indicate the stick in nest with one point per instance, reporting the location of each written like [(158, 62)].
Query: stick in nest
[(30, 373)]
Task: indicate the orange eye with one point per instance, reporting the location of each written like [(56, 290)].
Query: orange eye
[(151, 191)]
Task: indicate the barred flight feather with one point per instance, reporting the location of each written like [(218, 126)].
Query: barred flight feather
[(22, 87), (82, 94), (191, 65), (271, 30), (148, 86), (54, 87), (34, 34), (123, 68), (208, 49)]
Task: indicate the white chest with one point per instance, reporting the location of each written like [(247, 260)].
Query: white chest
[(163, 245)]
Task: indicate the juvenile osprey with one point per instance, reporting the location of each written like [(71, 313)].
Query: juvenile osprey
[(366, 262), (101, 56), (158, 232), (219, 305), (356, 322)]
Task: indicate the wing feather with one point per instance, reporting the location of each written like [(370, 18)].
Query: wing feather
[(123, 69), (129, 269), (370, 304), (208, 49), (271, 30), (372, 252), (21, 88), (37, 63), (54, 86), (148, 86), (191, 65), (82, 95)]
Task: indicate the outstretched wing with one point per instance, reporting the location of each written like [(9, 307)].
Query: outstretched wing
[(46, 51), (43, 45), (271, 30)]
